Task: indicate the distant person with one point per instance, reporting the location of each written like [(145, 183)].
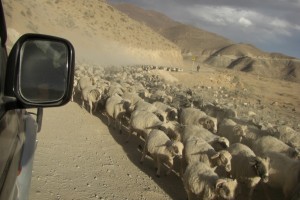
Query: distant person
[(198, 68)]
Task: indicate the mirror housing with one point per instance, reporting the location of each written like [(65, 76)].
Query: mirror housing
[(40, 72)]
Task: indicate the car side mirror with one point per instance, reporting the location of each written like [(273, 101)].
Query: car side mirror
[(40, 72)]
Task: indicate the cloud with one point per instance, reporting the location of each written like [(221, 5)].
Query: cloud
[(222, 15), (245, 22), (262, 23)]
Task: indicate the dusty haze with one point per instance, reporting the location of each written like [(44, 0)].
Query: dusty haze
[(78, 156)]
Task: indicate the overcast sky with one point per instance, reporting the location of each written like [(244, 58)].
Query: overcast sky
[(271, 25)]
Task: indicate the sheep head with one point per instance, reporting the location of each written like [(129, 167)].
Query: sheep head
[(176, 148), (294, 153), (226, 188), (172, 114), (209, 124), (222, 143), (261, 167), (223, 158), (240, 131)]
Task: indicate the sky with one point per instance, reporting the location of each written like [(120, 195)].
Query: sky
[(270, 25)]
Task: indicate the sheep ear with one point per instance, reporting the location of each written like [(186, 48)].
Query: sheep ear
[(252, 161), (220, 182), (236, 128), (201, 121), (169, 143), (215, 156)]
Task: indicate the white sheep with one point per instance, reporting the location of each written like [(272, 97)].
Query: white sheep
[(201, 182), (284, 173), (142, 105), (248, 168), (173, 129), (172, 113), (197, 149), (194, 116), (115, 88), (232, 131), (132, 96), (161, 149), (253, 133), (217, 142), (142, 122), (115, 108), (270, 143), (92, 95), (288, 136), (84, 82), (75, 83), (219, 112)]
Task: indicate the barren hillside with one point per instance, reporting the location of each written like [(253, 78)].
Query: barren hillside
[(100, 33), (214, 50)]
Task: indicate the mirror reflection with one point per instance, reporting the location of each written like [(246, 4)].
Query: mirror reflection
[(43, 70)]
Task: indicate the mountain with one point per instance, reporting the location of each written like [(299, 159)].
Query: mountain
[(214, 50), (101, 34)]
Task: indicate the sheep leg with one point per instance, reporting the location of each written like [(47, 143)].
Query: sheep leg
[(108, 120), (252, 185), (158, 167), (119, 120), (96, 105), (266, 192), (82, 103), (73, 93), (170, 165), (129, 134), (144, 154), (91, 106), (189, 195)]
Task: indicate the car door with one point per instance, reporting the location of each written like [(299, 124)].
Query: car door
[(11, 132)]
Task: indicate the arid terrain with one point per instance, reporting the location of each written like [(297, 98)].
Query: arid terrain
[(78, 156)]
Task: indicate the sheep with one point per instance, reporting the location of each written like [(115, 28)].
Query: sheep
[(296, 194), (232, 131), (288, 136), (197, 149), (247, 167), (173, 129), (142, 122), (145, 106), (84, 82), (92, 95), (132, 96), (194, 116), (74, 89), (162, 149), (219, 112), (217, 142), (253, 133), (270, 143), (284, 173), (172, 113), (115, 107), (201, 182), (115, 88)]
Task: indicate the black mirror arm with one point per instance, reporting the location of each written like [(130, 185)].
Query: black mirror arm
[(39, 118)]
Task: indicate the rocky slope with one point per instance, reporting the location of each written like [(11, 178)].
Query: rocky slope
[(214, 50), (100, 33)]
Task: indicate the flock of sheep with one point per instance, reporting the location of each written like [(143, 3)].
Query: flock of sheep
[(222, 155)]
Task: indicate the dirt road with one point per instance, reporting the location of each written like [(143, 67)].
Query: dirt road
[(79, 157)]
